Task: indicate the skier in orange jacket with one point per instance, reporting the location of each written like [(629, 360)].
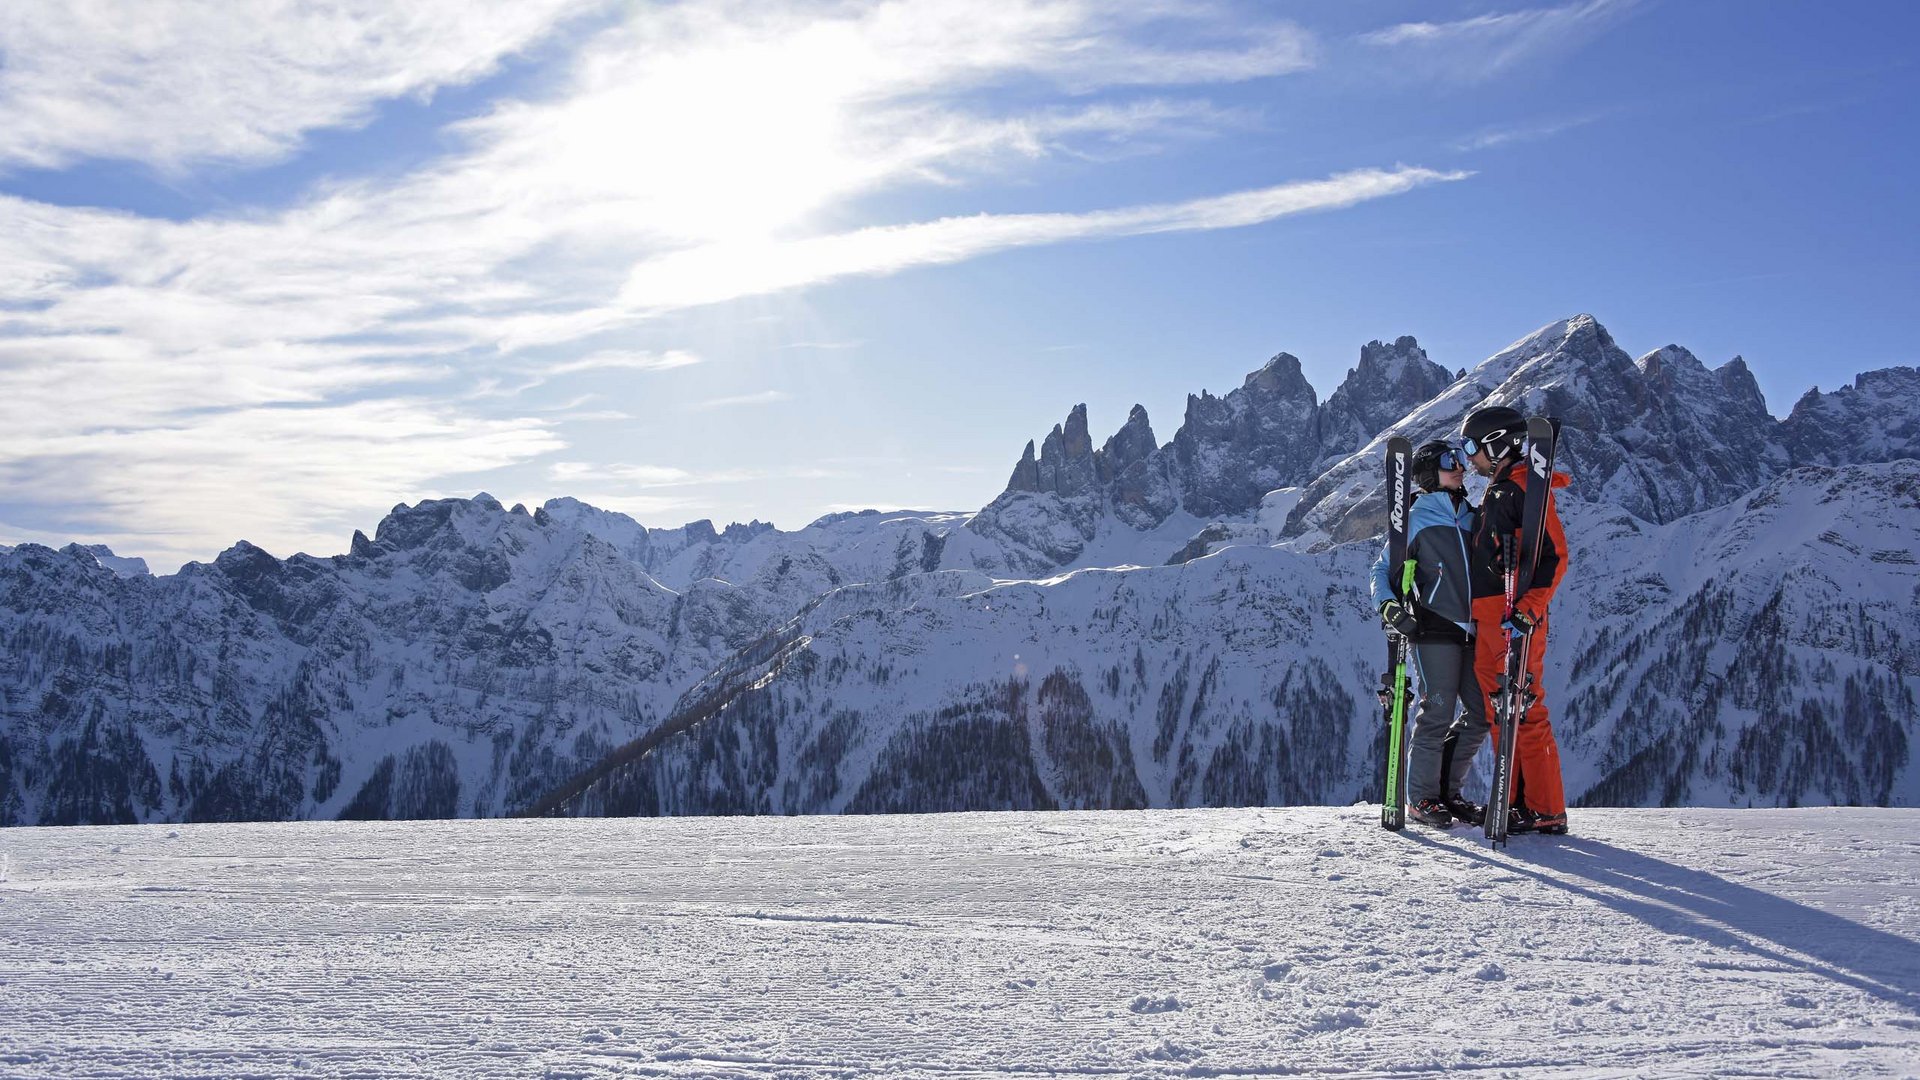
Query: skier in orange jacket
[(1493, 440)]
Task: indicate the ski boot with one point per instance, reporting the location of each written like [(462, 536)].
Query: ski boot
[(1521, 820), (1466, 810), (1431, 812)]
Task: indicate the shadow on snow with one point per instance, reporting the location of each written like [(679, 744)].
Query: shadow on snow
[(1704, 906)]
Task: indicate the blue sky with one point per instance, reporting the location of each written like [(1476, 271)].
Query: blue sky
[(265, 279)]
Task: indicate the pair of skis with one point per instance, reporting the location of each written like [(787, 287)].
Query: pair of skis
[(1395, 693), (1522, 556)]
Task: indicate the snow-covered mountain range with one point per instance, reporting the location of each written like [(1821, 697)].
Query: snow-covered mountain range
[(1141, 624)]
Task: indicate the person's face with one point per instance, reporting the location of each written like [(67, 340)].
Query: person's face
[(1453, 479), (1481, 463)]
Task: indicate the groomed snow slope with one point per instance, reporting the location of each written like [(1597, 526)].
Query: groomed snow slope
[(1157, 943)]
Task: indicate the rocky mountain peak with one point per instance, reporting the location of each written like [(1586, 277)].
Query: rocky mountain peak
[(1280, 377), (1133, 469), (1877, 418), (1133, 442), (407, 527), (1026, 472), (1231, 450), (125, 566), (629, 537), (1662, 362), (740, 532), (1389, 382), (1662, 437), (1738, 383), (1065, 465), (244, 559), (1386, 361)]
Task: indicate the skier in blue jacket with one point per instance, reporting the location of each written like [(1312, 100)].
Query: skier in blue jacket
[(1438, 619)]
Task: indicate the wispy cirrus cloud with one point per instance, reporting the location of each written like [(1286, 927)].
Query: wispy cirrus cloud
[(824, 346), (654, 490), (625, 360), (630, 476), (716, 272), (734, 401), (195, 477), (567, 472), (172, 83), (362, 343), (1489, 138), (1482, 47)]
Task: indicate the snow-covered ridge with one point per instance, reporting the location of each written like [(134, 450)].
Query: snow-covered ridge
[(468, 658), (1761, 653)]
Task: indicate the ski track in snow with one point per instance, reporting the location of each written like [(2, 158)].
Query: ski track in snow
[(1300, 941)]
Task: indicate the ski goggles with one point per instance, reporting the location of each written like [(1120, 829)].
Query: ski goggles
[(1474, 446), (1451, 460)]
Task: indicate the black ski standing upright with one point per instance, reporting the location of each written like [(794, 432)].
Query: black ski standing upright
[(1520, 556), (1393, 684)]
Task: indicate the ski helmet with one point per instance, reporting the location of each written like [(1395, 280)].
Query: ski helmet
[(1497, 429), (1431, 460)]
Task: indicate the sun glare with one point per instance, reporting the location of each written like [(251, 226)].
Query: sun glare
[(727, 145)]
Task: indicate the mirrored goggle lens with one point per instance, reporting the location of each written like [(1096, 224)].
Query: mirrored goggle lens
[(1451, 460), (1471, 447)]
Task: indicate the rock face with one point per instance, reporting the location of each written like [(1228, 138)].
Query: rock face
[(1134, 475), (1389, 382), (1757, 653), (1661, 437), (1739, 626), (1872, 420), (463, 661), (1737, 632), (1229, 452)]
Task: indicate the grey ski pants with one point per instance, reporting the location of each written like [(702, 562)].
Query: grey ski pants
[(1442, 748)]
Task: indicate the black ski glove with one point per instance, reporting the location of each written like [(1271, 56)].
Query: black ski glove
[(1521, 622), (1397, 619)]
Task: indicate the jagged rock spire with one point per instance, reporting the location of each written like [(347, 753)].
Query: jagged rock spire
[(1877, 418), (1231, 450), (1390, 381)]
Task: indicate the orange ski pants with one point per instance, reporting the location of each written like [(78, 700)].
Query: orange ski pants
[(1536, 757)]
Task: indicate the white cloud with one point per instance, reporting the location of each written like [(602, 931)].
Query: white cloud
[(1471, 50), (644, 508), (286, 479), (1489, 138), (635, 475), (763, 397), (171, 82), (623, 360), (882, 506), (727, 271), (264, 373)]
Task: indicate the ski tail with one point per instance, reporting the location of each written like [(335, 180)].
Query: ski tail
[(1514, 696), (1393, 806)]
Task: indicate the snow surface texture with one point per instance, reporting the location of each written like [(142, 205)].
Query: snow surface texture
[(1670, 943)]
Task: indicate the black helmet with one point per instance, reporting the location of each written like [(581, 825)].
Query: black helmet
[(1497, 429), (1431, 460)]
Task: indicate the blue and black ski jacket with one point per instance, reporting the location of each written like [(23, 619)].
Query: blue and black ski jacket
[(1439, 528)]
